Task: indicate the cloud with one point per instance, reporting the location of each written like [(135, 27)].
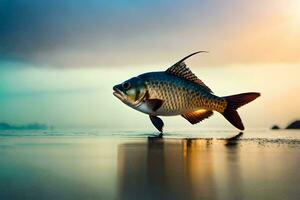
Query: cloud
[(106, 33)]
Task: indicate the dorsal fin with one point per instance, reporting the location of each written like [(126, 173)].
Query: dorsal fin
[(181, 70)]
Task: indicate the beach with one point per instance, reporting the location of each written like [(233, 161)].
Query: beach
[(133, 165)]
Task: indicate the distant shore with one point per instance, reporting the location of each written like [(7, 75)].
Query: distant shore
[(31, 126)]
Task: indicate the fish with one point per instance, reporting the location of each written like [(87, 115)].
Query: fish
[(178, 91)]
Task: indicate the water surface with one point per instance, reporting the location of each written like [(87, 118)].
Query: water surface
[(129, 165)]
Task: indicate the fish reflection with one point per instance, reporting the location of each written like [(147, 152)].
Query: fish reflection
[(177, 169)]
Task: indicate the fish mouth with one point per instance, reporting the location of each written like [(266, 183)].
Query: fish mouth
[(118, 93)]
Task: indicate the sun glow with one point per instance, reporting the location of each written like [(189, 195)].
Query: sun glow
[(294, 12)]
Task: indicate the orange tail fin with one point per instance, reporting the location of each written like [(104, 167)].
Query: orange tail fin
[(233, 103)]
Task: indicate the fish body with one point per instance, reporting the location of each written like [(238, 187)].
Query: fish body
[(177, 91), (180, 95)]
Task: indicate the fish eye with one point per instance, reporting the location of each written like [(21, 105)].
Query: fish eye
[(126, 85)]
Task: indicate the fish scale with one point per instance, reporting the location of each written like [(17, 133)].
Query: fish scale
[(180, 96)]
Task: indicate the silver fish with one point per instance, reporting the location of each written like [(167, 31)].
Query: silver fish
[(178, 91)]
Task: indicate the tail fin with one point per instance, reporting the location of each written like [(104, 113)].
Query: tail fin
[(233, 103)]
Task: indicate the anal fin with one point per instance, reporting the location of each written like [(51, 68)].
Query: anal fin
[(197, 116), (157, 122)]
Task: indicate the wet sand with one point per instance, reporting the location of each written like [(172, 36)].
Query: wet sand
[(118, 167)]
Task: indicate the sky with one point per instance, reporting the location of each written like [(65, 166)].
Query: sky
[(60, 58)]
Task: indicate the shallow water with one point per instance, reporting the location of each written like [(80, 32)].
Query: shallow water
[(128, 165)]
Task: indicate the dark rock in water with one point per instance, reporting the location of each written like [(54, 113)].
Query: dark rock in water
[(5, 126), (294, 125), (275, 127)]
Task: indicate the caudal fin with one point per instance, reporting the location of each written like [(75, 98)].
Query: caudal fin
[(233, 103)]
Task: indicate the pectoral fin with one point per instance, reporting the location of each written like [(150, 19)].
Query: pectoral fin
[(197, 116), (157, 122), (154, 104)]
